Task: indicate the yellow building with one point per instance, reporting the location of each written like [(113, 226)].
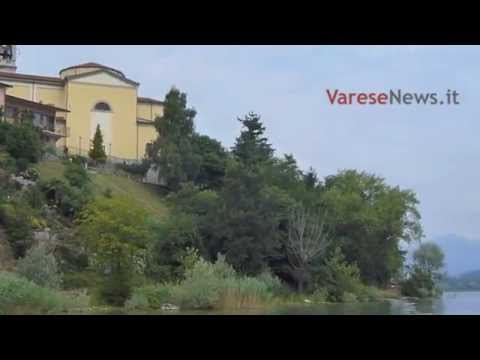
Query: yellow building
[(93, 94)]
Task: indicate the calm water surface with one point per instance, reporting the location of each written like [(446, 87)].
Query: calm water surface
[(451, 303)]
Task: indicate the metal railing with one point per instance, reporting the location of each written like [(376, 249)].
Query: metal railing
[(73, 150)]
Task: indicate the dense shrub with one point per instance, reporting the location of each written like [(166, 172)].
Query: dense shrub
[(419, 284), (21, 141), (40, 266), (31, 174), (368, 293), (170, 245), (79, 160), (34, 197), (340, 279), (80, 280), (319, 295), (149, 297), (76, 175), (113, 288), (4, 130), (51, 150), (17, 217), (200, 289), (21, 165), (68, 199), (348, 297), (217, 285), (19, 295), (243, 292), (273, 283), (137, 301), (7, 163)]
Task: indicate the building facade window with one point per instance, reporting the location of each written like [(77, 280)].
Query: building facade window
[(102, 106)]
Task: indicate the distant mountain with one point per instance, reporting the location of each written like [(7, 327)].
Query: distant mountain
[(461, 255), (471, 275), (469, 281)]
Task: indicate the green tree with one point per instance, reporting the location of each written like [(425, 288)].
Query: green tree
[(424, 274), (368, 219), (213, 162), (173, 150), (429, 257), (251, 147), (97, 152), (311, 179), (285, 174), (115, 232), (247, 225), (170, 244)]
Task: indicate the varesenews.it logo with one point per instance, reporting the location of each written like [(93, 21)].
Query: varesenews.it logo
[(392, 97)]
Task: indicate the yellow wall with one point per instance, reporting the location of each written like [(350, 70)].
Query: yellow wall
[(82, 99), (20, 90), (50, 95), (146, 134), (149, 111)]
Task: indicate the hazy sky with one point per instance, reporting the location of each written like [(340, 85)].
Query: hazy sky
[(432, 150)]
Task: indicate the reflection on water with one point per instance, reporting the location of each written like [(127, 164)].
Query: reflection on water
[(451, 303)]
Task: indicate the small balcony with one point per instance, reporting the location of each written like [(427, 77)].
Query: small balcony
[(64, 132)]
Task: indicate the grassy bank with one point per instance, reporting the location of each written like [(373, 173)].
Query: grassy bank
[(21, 296), (145, 195)]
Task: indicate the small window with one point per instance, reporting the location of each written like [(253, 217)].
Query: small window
[(102, 106)]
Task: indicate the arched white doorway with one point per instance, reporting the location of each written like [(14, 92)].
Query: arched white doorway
[(102, 115)]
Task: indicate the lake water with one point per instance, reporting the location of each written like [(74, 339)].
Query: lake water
[(451, 303)]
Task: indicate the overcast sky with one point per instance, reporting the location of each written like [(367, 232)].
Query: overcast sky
[(432, 150)]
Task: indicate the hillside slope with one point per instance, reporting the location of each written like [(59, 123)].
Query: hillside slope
[(147, 196)]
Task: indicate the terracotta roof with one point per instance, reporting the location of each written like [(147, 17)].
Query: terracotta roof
[(149, 101), (33, 104), (31, 78), (91, 65), (5, 85)]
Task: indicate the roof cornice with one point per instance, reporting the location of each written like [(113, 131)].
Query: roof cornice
[(124, 79), (31, 78)]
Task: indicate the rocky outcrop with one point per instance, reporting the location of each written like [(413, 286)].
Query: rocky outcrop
[(169, 307), (153, 176), (21, 182)]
